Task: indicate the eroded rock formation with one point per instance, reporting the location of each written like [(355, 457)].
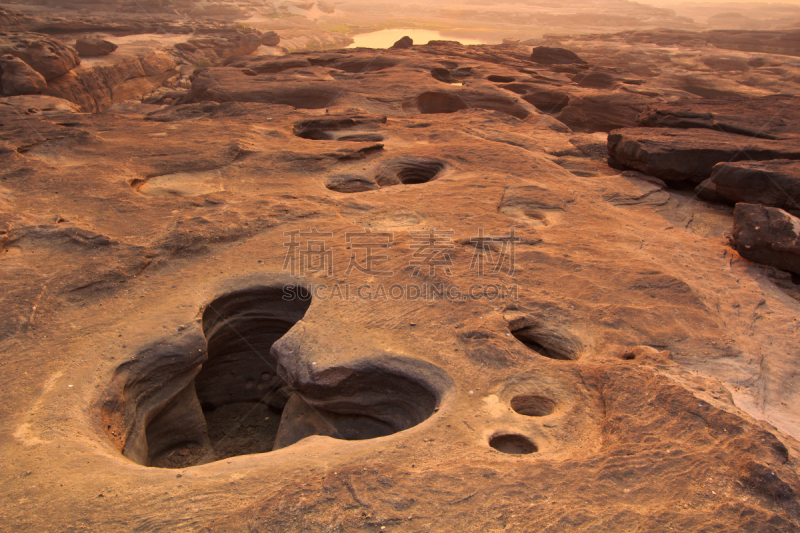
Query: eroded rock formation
[(188, 307)]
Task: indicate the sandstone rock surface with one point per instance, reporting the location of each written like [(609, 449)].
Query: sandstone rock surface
[(336, 291)]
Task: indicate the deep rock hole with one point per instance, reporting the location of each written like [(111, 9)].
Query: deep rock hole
[(165, 410), (409, 171), (530, 338), (532, 405), (513, 444)]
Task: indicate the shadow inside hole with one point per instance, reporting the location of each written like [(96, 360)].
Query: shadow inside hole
[(430, 102), (238, 388), (513, 444), (409, 171), (442, 74), (528, 337), (532, 405)]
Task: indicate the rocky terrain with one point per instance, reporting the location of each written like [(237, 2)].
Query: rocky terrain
[(526, 287)]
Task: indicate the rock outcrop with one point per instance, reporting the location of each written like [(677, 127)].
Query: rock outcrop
[(96, 88), (49, 57), (17, 78)]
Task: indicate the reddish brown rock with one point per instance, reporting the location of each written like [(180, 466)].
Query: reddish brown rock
[(18, 78), (620, 369), (36, 105), (98, 87), (771, 183), (767, 235), (403, 42), (602, 111), (690, 154), (770, 117), (555, 56), (93, 46), (48, 56)]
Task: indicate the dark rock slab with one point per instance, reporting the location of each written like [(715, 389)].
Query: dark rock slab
[(772, 183), (676, 155), (767, 235), (770, 117), (546, 55)]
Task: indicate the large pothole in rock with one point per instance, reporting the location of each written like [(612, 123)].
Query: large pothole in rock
[(409, 171), (201, 398)]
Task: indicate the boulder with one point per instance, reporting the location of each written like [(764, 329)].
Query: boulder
[(404, 42), (767, 235), (555, 56), (19, 78), (772, 183), (48, 56), (676, 155), (93, 46), (270, 38)]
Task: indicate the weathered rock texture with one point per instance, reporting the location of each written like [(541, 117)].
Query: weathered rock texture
[(171, 364), (19, 78), (49, 57)]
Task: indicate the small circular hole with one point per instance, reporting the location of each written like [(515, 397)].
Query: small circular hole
[(513, 444), (532, 405)]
